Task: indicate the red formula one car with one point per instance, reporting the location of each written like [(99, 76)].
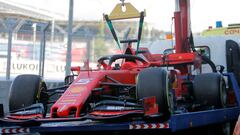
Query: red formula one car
[(133, 85), (107, 93)]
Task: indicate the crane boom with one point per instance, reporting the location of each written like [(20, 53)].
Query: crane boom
[(182, 25)]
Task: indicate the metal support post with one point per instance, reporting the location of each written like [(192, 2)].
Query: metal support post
[(18, 27), (11, 24), (9, 53), (69, 45), (52, 31), (3, 24), (34, 26), (44, 27), (88, 47)]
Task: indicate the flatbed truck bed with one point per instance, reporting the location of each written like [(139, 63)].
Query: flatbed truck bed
[(177, 122)]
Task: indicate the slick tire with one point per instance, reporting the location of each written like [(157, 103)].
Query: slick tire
[(26, 90), (154, 82), (210, 90)]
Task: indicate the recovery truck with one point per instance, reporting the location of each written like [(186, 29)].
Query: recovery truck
[(132, 91)]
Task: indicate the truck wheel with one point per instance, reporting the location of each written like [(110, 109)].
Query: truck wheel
[(27, 90), (210, 90), (154, 82)]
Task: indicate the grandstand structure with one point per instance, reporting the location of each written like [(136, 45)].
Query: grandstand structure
[(21, 36), (15, 17), (26, 16)]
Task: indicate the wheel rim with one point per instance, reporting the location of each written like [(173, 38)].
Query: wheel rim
[(223, 93), (168, 96)]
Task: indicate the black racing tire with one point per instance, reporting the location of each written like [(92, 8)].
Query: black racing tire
[(26, 90), (210, 90), (154, 82)]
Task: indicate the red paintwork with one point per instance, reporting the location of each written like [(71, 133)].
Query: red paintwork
[(182, 27), (77, 68), (128, 65), (150, 106), (80, 90), (77, 94), (25, 117), (178, 32), (176, 59), (185, 18), (182, 19)]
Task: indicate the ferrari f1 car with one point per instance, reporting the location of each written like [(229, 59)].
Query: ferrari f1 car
[(133, 85)]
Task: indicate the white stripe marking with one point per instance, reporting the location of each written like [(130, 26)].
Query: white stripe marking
[(14, 130), (7, 131), (154, 126), (131, 127), (21, 130), (145, 126), (138, 126)]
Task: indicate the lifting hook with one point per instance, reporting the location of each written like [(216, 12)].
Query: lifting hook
[(123, 4)]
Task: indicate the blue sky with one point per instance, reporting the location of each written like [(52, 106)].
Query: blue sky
[(159, 12)]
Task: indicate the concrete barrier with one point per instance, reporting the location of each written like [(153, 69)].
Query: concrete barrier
[(4, 94)]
